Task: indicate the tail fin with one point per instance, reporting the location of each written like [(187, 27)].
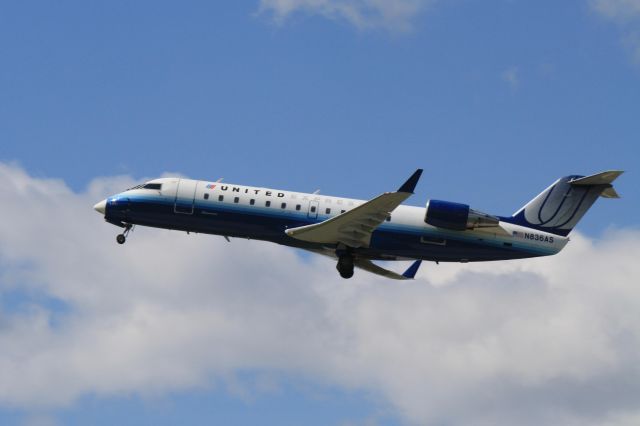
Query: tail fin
[(559, 207)]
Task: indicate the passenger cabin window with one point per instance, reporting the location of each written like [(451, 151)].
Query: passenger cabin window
[(313, 209), (283, 205), (236, 199), (220, 197), (156, 186), (388, 218), (206, 196), (327, 211), (252, 201), (297, 206), (267, 203)]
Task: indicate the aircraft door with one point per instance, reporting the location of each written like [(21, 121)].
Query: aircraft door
[(313, 210), (185, 196)]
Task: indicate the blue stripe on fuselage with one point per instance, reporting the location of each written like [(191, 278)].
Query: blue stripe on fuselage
[(269, 224)]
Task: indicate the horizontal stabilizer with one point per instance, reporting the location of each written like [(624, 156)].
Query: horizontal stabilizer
[(609, 193), (604, 178), (598, 179)]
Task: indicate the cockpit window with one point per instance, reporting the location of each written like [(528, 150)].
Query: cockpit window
[(156, 186)]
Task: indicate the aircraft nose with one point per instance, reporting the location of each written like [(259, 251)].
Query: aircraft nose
[(101, 206)]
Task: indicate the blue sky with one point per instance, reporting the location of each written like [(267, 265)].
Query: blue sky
[(509, 93), (495, 100)]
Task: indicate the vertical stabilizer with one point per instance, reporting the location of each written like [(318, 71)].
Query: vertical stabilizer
[(561, 206)]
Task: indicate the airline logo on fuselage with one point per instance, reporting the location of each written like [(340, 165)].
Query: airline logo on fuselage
[(246, 190)]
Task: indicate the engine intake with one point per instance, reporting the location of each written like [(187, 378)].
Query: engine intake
[(456, 216)]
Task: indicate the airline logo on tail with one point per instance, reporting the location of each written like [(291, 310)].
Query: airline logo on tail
[(559, 207)]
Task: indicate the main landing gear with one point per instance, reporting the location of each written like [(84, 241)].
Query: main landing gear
[(122, 238), (345, 265)]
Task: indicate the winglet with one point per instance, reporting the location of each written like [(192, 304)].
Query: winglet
[(411, 183), (410, 273)]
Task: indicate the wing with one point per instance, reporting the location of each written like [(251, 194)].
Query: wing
[(369, 266), (354, 228)]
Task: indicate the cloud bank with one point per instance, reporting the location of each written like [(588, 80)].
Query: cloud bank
[(542, 341), (393, 15)]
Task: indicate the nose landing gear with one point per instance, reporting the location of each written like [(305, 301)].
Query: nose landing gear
[(122, 238)]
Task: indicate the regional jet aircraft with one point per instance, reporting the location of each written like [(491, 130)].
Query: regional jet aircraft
[(357, 232)]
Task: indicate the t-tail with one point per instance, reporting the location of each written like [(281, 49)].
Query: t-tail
[(561, 206)]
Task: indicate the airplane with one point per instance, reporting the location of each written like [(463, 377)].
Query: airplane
[(357, 232)]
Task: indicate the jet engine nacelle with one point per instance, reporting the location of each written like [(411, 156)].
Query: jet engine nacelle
[(456, 216)]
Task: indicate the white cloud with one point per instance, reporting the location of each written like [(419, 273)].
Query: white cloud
[(625, 13), (543, 341), (510, 76), (394, 15), (617, 9), (39, 420)]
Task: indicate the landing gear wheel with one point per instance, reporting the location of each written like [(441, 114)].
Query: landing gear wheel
[(345, 266), (346, 274), (122, 238)]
